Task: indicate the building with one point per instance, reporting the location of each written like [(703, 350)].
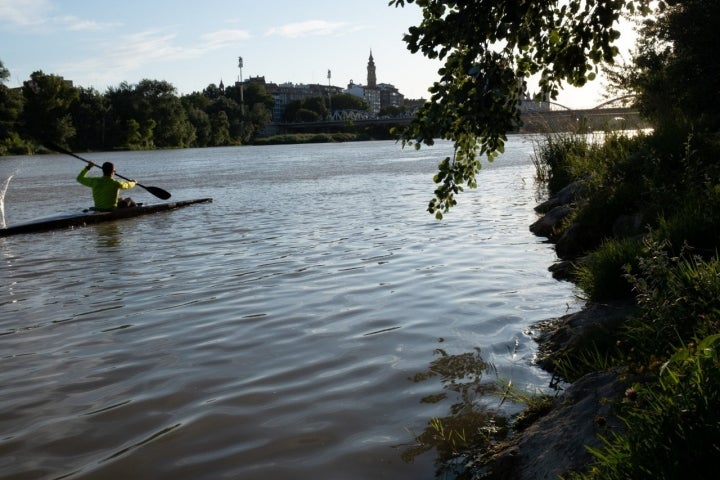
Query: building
[(390, 96), (286, 93), (377, 96)]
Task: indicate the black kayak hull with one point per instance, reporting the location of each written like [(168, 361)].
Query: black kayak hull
[(90, 218)]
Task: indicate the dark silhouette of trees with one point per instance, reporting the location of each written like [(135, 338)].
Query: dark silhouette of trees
[(146, 115)]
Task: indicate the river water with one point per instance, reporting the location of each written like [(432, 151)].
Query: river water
[(270, 334)]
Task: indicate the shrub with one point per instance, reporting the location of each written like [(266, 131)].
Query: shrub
[(554, 159), (601, 275), (678, 299), (696, 224)]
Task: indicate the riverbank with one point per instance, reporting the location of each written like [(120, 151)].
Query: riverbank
[(634, 221), (558, 442)]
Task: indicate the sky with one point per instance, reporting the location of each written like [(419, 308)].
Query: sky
[(193, 43)]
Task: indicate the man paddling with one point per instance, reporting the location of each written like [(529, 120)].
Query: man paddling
[(106, 189)]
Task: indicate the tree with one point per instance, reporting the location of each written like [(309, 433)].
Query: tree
[(89, 114), (345, 101), (258, 118), (489, 49), (227, 126), (159, 103), (252, 93), (212, 91), (11, 104), (675, 71), (195, 106), (46, 114), (220, 128), (309, 109), (256, 109), (125, 118)]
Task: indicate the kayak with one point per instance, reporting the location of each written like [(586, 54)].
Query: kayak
[(89, 217)]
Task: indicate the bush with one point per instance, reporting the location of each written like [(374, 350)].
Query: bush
[(601, 275), (554, 159), (678, 299), (695, 224)]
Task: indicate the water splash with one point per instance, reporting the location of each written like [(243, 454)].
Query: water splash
[(3, 190)]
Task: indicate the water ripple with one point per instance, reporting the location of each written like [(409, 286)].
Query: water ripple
[(270, 334)]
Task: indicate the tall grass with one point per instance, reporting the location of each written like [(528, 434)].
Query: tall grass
[(673, 424)]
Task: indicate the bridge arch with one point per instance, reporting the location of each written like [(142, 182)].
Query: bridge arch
[(597, 107), (613, 100)]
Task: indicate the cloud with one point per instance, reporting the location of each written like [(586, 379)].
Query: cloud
[(309, 28), (125, 54), (24, 13), (222, 38), (76, 24), (112, 61), (36, 13)]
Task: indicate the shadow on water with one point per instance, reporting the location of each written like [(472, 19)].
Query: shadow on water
[(472, 425)]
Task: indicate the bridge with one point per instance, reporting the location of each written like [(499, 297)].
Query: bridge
[(610, 115), (548, 117)]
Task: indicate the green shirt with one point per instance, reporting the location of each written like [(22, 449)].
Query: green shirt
[(105, 189)]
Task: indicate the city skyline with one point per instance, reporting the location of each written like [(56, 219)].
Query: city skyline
[(194, 44)]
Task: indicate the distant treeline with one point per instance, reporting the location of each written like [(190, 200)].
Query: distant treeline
[(146, 115)]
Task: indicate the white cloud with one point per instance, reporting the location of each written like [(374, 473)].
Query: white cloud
[(222, 38), (115, 60), (309, 28), (24, 13), (35, 13), (123, 55), (76, 24)]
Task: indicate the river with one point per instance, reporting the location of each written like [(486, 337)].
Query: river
[(270, 334)]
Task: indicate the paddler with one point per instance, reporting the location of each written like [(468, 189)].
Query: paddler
[(106, 189)]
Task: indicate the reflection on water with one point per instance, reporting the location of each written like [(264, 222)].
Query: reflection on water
[(471, 425), (108, 235)]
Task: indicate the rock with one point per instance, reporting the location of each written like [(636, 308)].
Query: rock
[(578, 239), (549, 224), (577, 329), (557, 443), (563, 270), (567, 195)]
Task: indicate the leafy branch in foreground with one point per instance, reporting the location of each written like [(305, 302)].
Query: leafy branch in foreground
[(489, 50)]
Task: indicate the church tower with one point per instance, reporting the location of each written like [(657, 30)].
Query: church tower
[(371, 78)]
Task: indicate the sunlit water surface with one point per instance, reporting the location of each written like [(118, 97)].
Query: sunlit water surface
[(270, 334)]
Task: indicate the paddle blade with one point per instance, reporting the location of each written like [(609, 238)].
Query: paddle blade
[(158, 192)]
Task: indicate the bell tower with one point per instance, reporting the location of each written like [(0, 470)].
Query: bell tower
[(371, 78)]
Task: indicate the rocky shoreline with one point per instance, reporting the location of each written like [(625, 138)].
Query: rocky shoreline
[(557, 443)]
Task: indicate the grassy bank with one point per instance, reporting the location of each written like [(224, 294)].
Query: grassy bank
[(667, 350), (293, 138)]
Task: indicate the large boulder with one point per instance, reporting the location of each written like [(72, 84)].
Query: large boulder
[(578, 239), (567, 195), (550, 224)]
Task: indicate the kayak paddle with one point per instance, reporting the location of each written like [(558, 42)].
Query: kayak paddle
[(157, 191)]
